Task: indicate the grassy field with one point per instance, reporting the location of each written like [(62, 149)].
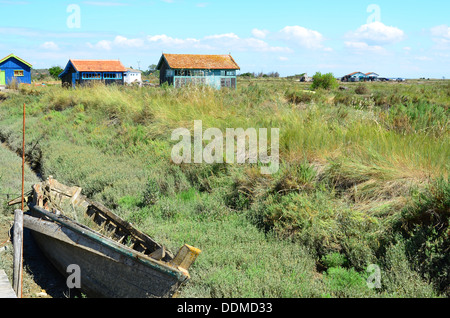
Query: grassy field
[(363, 180)]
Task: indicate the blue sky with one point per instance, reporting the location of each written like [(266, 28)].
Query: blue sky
[(393, 38)]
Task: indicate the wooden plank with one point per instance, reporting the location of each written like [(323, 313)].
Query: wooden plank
[(18, 252), (6, 290)]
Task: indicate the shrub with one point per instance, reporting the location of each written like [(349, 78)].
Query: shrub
[(325, 81), (362, 89)]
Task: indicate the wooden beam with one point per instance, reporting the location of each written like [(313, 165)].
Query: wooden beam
[(18, 252)]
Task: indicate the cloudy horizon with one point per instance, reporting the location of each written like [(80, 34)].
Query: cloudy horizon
[(402, 39)]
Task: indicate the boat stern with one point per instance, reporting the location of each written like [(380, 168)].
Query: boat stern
[(185, 257)]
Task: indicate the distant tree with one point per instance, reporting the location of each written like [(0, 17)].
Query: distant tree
[(151, 70), (55, 71), (325, 81), (248, 74)]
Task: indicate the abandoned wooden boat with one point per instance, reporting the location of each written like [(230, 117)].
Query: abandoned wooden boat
[(116, 260)]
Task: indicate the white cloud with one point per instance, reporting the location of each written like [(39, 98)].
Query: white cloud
[(376, 33), (225, 42), (221, 36), (50, 46), (170, 42), (441, 31), (283, 58), (363, 47), (124, 42), (103, 45), (441, 36), (119, 41), (303, 37), (423, 58), (260, 34)]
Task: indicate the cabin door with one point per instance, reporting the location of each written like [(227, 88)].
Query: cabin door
[(2, 78), (74, 77)]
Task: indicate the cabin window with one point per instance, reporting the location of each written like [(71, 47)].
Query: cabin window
[(91, 75), (198, 73), (18, 73), (111, 75), (230, 73)]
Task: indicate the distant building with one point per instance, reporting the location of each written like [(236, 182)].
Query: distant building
[(182, 69), (372, 76), (132, 76), (354, 77), (14, 68), (305, 78), (85, 72)]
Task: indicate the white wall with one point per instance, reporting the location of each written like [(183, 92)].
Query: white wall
[(131, 77)]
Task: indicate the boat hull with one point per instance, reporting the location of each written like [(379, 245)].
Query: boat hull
[(104, 271)]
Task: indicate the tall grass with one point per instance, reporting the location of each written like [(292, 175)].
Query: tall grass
[(352, 161)]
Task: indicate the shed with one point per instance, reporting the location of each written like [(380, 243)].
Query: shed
[(14, 68), (85, 72), (214, 70), (133, 76), (354, 77), (372, 76)]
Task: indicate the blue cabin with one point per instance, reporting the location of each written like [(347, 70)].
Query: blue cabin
[(87, 72), (355, 77), (14, 68), (191, 69)]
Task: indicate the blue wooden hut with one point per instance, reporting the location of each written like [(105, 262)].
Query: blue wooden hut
[(183, 69), (85, 72), (14, 68)]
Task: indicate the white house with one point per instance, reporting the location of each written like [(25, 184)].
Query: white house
[(132, 76), (372, 76)]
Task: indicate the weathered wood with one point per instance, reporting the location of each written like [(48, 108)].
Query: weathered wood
[(109, 267), (6, 290), (18, 252)]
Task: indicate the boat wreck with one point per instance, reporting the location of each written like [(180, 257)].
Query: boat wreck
[(115, 259)]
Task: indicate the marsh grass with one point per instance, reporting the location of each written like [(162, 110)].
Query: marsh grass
[(351, 166)]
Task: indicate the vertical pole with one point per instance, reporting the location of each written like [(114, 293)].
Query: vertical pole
[(23, 155), (18, 227), (18, 253)]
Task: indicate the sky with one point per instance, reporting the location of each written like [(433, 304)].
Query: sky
[(394, 38)]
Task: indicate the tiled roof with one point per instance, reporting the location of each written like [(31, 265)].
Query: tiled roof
[(371, 73), (98, 65), (199, 61), (354, 73), (16, 57), (133, 70)]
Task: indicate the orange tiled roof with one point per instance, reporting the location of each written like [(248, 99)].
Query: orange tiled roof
[(98, 66), (199, 61)]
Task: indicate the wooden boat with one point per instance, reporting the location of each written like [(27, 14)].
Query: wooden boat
[(114, 261)]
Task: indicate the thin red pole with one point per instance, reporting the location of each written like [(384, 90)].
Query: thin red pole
[(23, 197), (23, 156)]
